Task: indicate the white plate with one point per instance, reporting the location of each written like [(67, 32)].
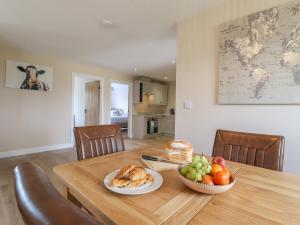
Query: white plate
[(146, 188)]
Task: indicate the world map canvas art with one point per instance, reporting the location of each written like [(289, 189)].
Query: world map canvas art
[(260, 57)]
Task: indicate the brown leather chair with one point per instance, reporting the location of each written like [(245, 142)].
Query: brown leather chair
[(260, 150), (40, 203), (92, 141)]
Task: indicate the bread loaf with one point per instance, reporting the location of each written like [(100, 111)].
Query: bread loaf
[(179, 150)]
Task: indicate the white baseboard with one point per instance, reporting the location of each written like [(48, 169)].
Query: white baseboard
[(26, 151)]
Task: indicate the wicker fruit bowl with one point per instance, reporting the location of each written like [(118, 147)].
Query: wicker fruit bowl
[(205, 188)]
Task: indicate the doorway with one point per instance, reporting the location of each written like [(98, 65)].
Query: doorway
[(87, 107), (120, 106)]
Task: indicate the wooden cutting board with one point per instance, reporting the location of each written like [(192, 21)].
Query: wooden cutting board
[(159, 166)]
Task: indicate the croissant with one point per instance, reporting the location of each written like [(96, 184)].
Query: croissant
[(124, 171), (137, 173), (131, 176), (147, 179), (120, 182)]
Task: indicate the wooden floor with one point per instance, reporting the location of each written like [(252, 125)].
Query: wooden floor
[(9, 214)]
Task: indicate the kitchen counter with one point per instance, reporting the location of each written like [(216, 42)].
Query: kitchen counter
[(153, 114), (166, 125)]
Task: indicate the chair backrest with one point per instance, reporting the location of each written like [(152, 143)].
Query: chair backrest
[(92, 141), (40, 203), (260, 150)]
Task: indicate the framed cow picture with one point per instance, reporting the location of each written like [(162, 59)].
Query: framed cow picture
[(28, 76)]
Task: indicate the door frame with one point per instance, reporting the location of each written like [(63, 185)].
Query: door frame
[(101, 110), (130, 107)]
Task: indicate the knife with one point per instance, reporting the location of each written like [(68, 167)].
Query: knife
[(158, 159)]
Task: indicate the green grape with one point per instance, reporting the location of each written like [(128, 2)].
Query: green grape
[(189, 176), (196, 158), (199, 165), (208, 169), (184, 170), (199, 178), (196, 176), (204, 160), (198, 168), (192, 170), (196, 165)]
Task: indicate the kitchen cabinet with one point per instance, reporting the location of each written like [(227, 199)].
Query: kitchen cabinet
[(158, 93), (164, 99), (138, 94), (166, 125)]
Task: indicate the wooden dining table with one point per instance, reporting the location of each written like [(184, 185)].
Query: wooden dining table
[(260, 196)]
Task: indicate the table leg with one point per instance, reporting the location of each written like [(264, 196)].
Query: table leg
[(71, 198), (92, 211)]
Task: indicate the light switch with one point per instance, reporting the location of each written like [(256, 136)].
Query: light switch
[(188, 105)]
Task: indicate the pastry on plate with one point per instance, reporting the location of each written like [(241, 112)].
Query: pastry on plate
[(137, 173), (131, 176), (124, 171), (146, 180), (120, 182)]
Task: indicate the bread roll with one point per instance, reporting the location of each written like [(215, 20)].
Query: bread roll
[(179, 150)]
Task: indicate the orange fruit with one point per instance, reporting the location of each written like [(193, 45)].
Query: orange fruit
[(215, 168), (207, 179), (221, 178), (227, 171)]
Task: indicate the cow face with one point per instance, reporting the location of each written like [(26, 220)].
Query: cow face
[(31, 81), (31, 73)]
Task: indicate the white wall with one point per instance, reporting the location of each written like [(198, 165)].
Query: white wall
[(31, 119), (119, 96), (79, 99), (196, 80)]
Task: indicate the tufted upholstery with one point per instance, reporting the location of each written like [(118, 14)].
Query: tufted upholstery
[(40, 203), (98, 140), (260, 150)]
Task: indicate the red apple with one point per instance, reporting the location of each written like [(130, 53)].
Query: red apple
[(219, 160)]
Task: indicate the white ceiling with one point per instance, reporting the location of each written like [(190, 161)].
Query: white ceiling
[(143, 34)]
